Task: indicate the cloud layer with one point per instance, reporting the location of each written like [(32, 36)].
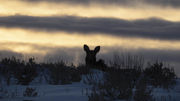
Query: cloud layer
[(162, 3), (145, 28)]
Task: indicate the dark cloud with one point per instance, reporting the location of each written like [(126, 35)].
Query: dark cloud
[(8, 53), (43, 47), (70, 55), (148, 28), (130, 3)]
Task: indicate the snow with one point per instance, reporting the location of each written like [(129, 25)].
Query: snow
[(71, 92), (170, 95)]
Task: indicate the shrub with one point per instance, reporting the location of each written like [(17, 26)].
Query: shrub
[(30, 92), (59, 74), (143, 92), (160, 76), (62, 74), (23, 71), (116, 84), (75, 75), (121, 80), (27, 73), (83, 69), (127, 61), (96, 96)]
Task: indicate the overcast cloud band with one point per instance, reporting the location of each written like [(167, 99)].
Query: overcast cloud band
[(162, 3), (145, 28)]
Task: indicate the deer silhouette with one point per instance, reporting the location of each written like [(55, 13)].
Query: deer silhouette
[(91, 57)]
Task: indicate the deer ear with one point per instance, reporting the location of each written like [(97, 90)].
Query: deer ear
[(97, 49), (86, 48)]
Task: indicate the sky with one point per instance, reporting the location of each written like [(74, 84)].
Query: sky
[(51, 30)]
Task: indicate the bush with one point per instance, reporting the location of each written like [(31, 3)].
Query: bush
[(142, 92), (75, 75), (23, 71), (121, 80), (127, 61), (83, 69), (59, 74), (160, 76), (26, 73), (30, 92), (116, 84), (96, 96), (62, 74)]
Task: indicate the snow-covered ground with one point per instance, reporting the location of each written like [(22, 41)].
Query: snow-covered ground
[(71, 92), (75, 92), (168, 95)]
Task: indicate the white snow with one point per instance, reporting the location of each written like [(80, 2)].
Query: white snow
[(71, 92), (168, 95)]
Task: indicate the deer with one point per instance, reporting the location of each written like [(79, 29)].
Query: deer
[(91, 58)]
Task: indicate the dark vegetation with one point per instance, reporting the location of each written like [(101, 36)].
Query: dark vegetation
[(159, 75), (62, 74), (30, 92), (25, 72), (125, 78), (128, 79)]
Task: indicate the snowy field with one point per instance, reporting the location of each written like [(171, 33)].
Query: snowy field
[(75, 92), (168, 95), (71, 92)]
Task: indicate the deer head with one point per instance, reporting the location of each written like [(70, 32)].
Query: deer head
[(91, 55)]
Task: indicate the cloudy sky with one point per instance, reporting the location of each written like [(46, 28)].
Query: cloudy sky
[(51, 29)]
